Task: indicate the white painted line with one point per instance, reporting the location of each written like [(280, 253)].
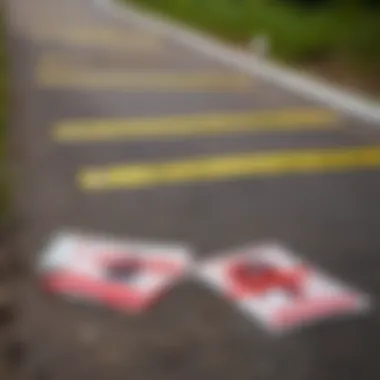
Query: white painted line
[(339, 99)]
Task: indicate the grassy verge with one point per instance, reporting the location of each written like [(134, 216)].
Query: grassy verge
[(346, 35)]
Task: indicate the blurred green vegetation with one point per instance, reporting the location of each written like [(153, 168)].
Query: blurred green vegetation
[(4, 204), (300, 31)]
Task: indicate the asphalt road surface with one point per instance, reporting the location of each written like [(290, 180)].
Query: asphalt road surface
[(97, 104)]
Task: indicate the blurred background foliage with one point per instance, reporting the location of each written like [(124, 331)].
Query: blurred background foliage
[(4, 196), (346, 32)]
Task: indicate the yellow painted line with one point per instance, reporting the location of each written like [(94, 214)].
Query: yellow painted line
[(177, 126), (140, 80), (228, 167), (99, 37), (62, 60)]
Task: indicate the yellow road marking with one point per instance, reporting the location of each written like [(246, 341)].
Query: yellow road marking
[(228, 167), (99, 37), (177, 126), (61, 60), (141, 80)]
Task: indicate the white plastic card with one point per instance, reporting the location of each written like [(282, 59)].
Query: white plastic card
[(121, 274), (276, 288)]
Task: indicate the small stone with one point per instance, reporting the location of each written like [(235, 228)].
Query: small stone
[(15, 353), (260, 46), (41, 374), (110, 355), (89, 334), (7, 313)]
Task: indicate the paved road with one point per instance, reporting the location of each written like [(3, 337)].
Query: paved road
[(91, 94)]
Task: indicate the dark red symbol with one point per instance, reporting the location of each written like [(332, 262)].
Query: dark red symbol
[(123, 269), (256, 278)]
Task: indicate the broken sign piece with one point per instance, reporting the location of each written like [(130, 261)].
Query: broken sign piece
[(125, 275), (279, 290)]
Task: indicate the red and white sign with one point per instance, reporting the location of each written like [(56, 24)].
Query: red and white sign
[(279, 290), (120, 274)]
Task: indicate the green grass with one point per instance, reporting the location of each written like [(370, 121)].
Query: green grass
[(296, 34)]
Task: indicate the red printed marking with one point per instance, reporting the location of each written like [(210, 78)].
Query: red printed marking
[(157, 265), (102, 258), (257, 280), (114, 295)]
